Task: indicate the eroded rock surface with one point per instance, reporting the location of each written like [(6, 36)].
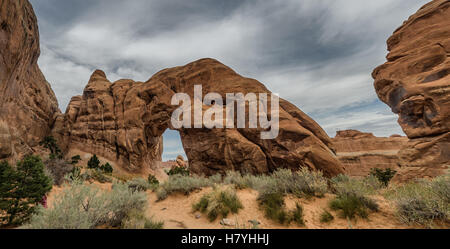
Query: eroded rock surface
[(124, 121), (360, 152), (415, 83), (27, 103)]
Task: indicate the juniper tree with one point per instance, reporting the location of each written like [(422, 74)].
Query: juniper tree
[(22, 189), (94, 163), (51, 144)]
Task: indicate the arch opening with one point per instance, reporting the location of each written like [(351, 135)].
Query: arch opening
[(172, 146)]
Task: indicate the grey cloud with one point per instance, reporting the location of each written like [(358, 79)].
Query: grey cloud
[(317, 54)]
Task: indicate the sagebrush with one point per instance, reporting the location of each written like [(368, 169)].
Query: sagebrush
[(221, 201), (82, 206)]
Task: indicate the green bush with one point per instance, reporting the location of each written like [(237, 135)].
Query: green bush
[(218, 202), (423, 202), (82, 206), (352, 205), (352, 193), (326, 217), (107, 168), (152, 180), (274, 206), (297, 215), (94, 163), (22, 189), (384, 176), (75, 159), (182, 184), (178, 171)]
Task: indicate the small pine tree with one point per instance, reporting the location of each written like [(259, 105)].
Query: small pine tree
[(51, 144), (22, 189), (384, 176), (94, 163), (106, 168)]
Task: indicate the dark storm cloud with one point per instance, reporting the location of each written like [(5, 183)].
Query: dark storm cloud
[(317, 54)]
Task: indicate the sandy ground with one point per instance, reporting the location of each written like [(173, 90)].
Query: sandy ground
[(176, 212)]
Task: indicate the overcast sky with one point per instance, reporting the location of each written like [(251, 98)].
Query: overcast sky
[(318, 54)]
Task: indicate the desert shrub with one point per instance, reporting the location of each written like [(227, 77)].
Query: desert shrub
[(217, 179), (297, 215), (274, 206), (303, 183), (137, 220), (247, 181), (138, 184), (181, 184), (151, 224), (152, 180), (82, 206), (58, 169), (218, 202), (178, 171), (235, 178), (97, 175), (384, 176), (351, 199), (343, 185), (75, 159), (74, 175), (352, 205), (106, 168), (22, 189), (94, 163), (423, 202), (326, 217)]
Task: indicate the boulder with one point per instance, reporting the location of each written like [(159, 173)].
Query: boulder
[(415, 83)]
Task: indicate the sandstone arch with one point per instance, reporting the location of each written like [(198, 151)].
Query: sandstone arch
[(124, 121)]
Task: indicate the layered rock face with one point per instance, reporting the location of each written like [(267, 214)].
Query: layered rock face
[(124, 121), (415, 83), (118, 121), (360, 152), (27, 103)]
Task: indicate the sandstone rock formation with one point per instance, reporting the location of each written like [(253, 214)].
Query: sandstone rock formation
[(360, 152), (124, 122), (415, 83), (27, 103)]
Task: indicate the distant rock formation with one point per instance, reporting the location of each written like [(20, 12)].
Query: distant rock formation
[(27, 102), (124, 122), (415, 83), (360, 152)]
